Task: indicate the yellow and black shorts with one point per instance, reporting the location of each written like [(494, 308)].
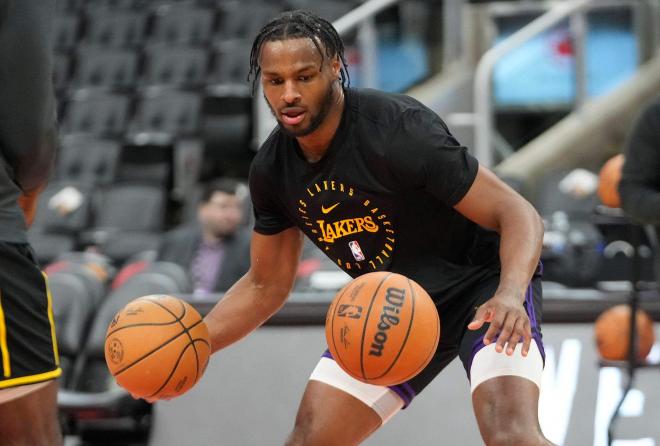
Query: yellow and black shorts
[(28, 347)]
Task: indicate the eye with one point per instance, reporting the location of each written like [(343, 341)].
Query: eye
[(305, 78), (275, 81)]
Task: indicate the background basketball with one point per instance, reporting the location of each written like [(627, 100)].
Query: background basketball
[(157, 347), (608, 181), (612, 332), (382, 328)]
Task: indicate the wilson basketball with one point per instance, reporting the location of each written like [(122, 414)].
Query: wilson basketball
[(382, 328), (608, 181), (157, 347), (612, 331)]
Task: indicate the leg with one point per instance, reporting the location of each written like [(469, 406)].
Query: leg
[(337, 410), (505, 397), (31, 420), (511, 420)]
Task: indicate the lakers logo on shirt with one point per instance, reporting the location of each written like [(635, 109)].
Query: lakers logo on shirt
[(343, 221)]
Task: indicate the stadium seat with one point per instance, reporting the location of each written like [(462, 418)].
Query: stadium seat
[(65, 33), (115, 28), (178, 66), (128, 220), (173, 112), (63, 207), (328, 9), (72, 310), (243, 19), (105, 67), (231, 62), (96, 113), (47, 245), (182, 24), (87, 160)]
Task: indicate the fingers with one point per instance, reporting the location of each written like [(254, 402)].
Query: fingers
[(527, 337), (517, 333), (483, 315), (513, 329), (498, 330)]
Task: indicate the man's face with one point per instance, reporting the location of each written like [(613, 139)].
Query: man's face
[(222, 214), (297, 84)]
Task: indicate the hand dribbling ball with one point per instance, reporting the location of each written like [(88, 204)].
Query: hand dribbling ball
[(382, 328), (157, 347)]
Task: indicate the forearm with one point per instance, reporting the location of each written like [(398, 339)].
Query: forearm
[(521, 240), (245, 307)]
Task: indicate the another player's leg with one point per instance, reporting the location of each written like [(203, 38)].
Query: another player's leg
[(338, 410), (31, 420), (29, 361)]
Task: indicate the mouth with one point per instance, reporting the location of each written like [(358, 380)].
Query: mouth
[(293, 115)]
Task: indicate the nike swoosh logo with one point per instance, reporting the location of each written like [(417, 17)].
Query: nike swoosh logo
[(325, 210)]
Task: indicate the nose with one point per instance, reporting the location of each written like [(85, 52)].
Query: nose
[(290, 94)]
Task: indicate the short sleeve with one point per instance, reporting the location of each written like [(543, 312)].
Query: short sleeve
[(424, 155), (269, 218)]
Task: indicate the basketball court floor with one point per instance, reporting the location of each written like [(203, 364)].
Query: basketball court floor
[(250, 393)]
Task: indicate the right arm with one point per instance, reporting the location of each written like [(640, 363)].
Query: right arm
[(261, 292)]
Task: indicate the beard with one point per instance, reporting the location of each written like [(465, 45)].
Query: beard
[(315, 121)]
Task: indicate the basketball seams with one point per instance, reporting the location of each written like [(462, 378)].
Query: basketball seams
[(366, 320), (174, 367), (140, 324), (146, 355), (185, 329), (405, 339), (430, 354)]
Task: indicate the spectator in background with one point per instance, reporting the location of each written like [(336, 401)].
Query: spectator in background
[(215, 250), (640, 181)]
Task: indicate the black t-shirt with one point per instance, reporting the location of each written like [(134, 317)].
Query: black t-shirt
[(382, 196)]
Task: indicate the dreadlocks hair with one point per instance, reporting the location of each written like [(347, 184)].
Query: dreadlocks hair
[(300, 24)]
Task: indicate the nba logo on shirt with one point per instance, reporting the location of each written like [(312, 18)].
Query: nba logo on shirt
[(355, 249)]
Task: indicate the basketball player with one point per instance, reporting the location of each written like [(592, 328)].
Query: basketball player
[(378, 182), (29, 360)]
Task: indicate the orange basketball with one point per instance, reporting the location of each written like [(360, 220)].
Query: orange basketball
[(157, 347), (382, 328), (612, 331), (608, 181)]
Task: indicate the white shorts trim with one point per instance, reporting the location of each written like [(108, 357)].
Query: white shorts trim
[(488, 363), (384, 401)]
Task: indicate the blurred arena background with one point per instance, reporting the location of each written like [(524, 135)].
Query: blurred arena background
[(154, 103)]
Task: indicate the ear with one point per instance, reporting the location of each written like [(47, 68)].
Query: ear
[(336, 67)]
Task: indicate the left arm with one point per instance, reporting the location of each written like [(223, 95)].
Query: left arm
[(492, 204)]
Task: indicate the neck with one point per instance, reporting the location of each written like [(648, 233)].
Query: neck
[(315, 145)]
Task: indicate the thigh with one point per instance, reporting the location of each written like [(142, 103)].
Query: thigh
[(40, 407), (28, 349), (473, 340), (339, 410)]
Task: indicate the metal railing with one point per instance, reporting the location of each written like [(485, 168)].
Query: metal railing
[(575, 11), (483, 108)]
